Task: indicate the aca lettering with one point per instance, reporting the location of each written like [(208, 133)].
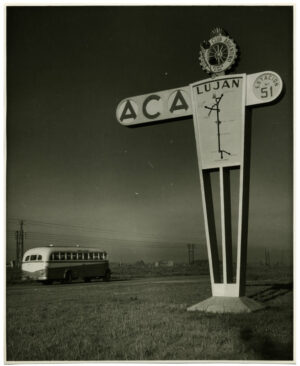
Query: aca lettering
[(146, 101), (128, 112), (155, 111), (179, 103)]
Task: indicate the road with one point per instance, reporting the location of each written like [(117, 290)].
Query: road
[(77, 285)]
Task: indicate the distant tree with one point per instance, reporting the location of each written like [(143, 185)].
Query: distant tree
[(140, 263)]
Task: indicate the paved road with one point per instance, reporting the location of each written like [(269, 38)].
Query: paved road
[(30, 287)]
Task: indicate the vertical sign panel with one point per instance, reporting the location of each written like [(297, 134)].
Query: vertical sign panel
[(219, 109)]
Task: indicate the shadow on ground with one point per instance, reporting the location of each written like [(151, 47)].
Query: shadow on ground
[(264, 347), (273, 291)]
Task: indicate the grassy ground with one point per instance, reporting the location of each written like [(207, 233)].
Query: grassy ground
[(145, 319)]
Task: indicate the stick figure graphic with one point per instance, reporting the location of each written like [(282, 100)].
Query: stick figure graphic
[(215, 108)]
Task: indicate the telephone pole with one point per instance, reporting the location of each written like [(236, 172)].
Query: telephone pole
[(191, 249), (20, 245), (267, 257)]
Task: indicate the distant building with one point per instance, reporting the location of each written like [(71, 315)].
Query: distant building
[(140, 263), (164, 264)]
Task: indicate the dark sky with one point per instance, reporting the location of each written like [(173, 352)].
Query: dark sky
[(74, 174)]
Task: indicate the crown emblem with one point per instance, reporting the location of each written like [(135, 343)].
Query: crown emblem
[(217, 31)]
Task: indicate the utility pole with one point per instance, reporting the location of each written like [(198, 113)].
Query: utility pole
[(191, 249), (193, 252), (267, 257), (282, 257), (20, 244)]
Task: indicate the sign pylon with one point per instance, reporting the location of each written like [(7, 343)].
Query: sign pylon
[(218, 105)]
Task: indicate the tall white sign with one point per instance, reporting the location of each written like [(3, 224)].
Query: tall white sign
[(218, 108)]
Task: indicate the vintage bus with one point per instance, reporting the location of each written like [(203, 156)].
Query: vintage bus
[(64, 264)]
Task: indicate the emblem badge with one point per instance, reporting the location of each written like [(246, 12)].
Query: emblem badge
[(218, 54)]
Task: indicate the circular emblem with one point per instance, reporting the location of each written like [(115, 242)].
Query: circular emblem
[(218, 54), (267, 86)]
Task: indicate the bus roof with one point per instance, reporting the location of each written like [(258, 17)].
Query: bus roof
[(50, 249)]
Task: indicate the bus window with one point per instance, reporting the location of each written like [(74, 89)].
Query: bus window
[(74, 256), (80, 256), (90, 256), (62, 256), (27, 258), (33, 257), (86, 256), (69, 256), (102, 256), (56, 256), (39, 258)]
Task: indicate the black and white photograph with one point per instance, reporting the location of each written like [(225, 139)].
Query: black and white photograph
[(149, 183)]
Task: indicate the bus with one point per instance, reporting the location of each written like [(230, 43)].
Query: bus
[(65, 264)]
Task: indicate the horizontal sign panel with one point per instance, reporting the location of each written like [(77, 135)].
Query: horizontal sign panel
[(161, 105), (262, 87)]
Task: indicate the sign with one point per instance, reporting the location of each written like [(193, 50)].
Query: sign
[(160, 105), (262, 87), (219, 106)]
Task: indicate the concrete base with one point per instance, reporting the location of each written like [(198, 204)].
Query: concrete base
[(222, 304)]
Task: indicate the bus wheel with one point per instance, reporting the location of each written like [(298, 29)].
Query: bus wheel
[(107, 276), (68, 277)]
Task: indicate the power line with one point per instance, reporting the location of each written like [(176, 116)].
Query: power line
[(53, 237), (90, 229), (142, 236), (47, 238), (77, 239)]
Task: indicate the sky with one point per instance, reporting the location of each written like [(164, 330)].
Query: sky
[(75, 175)]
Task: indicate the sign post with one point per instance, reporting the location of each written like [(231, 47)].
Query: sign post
[(218, 107)]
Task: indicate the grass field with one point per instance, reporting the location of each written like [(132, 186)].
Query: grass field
[(146, 319)]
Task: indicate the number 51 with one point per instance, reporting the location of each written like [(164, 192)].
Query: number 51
[(266, 92)]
